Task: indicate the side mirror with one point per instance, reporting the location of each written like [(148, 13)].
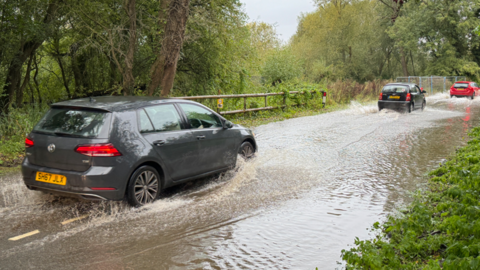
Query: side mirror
[(423, 92), (227, 124)]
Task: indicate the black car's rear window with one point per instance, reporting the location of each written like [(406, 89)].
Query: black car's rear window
[(72, 122), (460, 85), (395, 89)]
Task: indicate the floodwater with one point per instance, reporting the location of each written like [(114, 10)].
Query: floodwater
[(316, 184)]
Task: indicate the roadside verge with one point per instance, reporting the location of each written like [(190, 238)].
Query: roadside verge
[(440, 229)]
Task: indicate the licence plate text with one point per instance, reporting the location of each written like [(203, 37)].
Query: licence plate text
[(51, 178), (394, 97)]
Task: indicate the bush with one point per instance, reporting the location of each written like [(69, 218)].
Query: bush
[(13, 130)]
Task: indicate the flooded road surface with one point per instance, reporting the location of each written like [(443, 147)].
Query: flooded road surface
[(316, 184)]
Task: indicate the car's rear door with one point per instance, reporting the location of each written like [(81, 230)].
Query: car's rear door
[(174, 144), (216, 145)]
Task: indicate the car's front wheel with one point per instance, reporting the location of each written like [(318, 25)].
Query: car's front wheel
[(143, 187), (424, 103), (246, 150)]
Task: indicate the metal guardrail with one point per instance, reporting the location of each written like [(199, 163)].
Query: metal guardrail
[(245, 96), (435, 83)]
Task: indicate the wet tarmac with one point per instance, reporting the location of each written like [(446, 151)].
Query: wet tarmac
[(316, 184)]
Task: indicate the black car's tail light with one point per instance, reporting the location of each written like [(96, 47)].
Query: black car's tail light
[(29, 143), (409, 97), (98, 150), (380, 97)]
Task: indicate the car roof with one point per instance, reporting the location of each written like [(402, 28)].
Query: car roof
[(115, 103), (402, 83), (464, 82)]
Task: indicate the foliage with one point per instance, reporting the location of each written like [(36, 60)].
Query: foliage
[(444, 32), (337, 41), (439, 230), (13, 130), (281, 66), (365, 39)]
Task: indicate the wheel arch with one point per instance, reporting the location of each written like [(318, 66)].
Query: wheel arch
[(150, 163), (250, 140)]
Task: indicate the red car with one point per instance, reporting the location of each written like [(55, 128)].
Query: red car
[(464, 89)]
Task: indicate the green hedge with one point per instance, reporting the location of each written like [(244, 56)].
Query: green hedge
[(439, 230)]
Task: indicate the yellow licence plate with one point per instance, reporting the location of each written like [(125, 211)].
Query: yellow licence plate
[(394, 97), (51, 178)]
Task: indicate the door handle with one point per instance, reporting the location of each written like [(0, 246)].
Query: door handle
[(159, 143), (202, 137)]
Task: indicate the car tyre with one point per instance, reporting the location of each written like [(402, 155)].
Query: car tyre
[(380, 108), (424, 104), (246, 150), (473, 96), (143, 187)]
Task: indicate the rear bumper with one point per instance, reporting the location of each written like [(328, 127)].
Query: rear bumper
[(78, 184), (390, 104), (461, 93)]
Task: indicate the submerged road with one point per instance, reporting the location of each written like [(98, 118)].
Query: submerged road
[(316, 184)]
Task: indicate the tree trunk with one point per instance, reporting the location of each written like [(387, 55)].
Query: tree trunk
[(404, 62), (128, 79), (77, 73), (26, 80), (35, 79), (165, 67)]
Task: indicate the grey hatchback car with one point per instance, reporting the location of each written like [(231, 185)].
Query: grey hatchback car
[(115, 148)]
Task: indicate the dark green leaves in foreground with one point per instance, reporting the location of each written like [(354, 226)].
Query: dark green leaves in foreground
[(440, 229)]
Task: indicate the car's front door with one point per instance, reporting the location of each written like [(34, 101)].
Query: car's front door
[(216, 145), (415, 93), (174, 144)]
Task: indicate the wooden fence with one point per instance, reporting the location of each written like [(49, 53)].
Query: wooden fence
[(245, 96)]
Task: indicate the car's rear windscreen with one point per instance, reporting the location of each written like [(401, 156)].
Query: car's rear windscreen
[(72, 122), (460, 85), (395, 89)]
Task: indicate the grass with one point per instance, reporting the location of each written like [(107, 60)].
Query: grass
[(439, 230)]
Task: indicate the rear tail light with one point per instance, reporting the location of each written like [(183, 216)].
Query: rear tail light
[(102, 188), (29, 143), (98, 150), (409, 97), (380, 97), (324, 94)]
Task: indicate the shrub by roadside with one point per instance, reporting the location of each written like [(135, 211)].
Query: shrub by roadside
[(439, 230)]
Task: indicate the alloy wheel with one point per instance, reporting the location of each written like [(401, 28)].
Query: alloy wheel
[(146, 187), (247, 150)]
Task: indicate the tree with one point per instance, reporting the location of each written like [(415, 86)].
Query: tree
[(165, 67), (23, 21)]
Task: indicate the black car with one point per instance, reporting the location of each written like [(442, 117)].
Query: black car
[(111, 148), (406, 96)]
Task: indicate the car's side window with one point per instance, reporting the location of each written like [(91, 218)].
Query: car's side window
[(164, 117), (199, 117), (413, 90), (145, 124)]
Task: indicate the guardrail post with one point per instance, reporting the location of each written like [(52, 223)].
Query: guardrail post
[(266, 100), (244, 105)]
